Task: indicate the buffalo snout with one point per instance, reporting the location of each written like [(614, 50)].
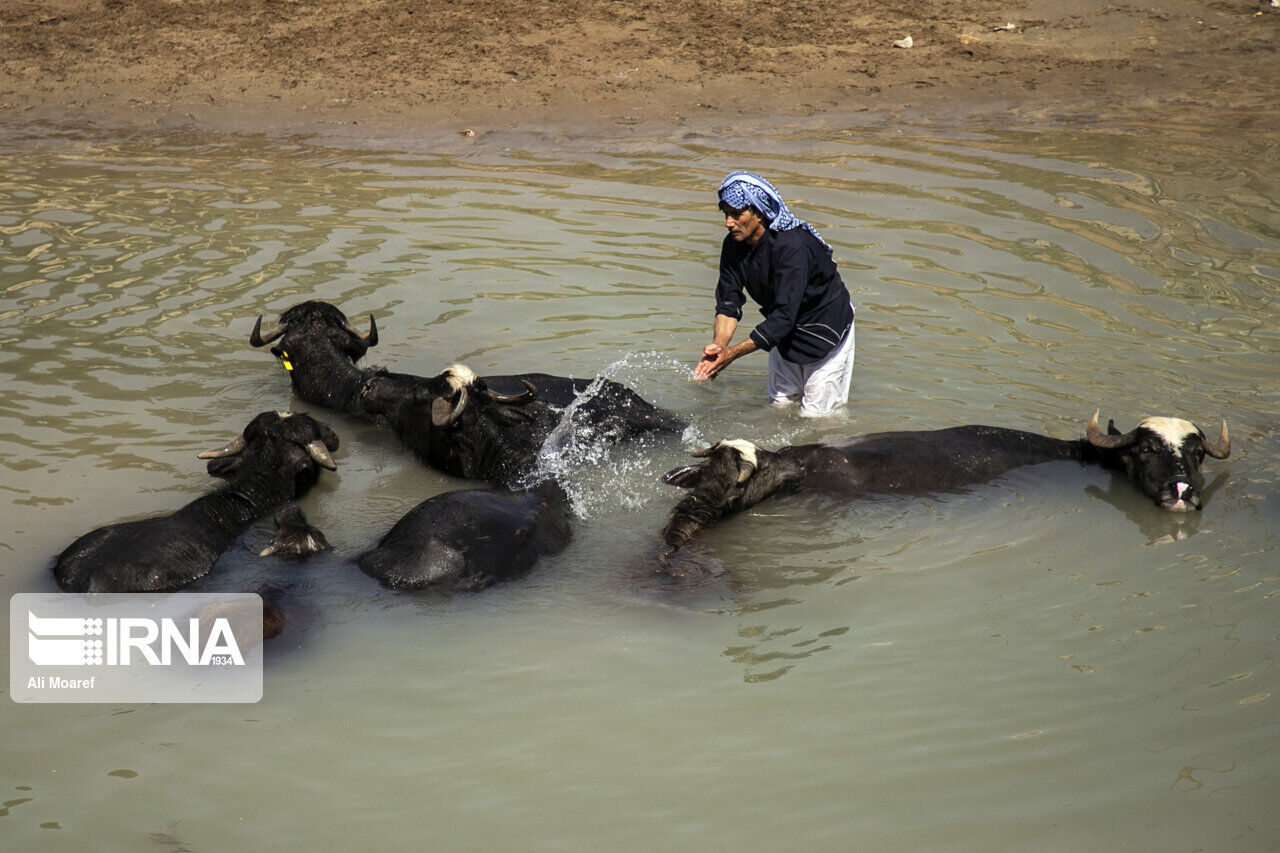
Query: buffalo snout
[(1179, 497)]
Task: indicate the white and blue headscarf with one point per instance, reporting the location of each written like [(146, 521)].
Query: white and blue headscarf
[(743, 189)]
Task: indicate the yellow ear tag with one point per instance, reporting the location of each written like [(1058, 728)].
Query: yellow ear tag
[(284, 359)]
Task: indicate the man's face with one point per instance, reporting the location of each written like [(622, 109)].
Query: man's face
[(744, 225)]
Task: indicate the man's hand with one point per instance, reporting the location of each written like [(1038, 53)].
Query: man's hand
[(714, 359), (717, 354)]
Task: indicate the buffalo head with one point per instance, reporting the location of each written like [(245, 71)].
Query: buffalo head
[(319, 349), (1162, 456), (319, 319), (736, 475), (474, 431), (277, 444), (460, 390)]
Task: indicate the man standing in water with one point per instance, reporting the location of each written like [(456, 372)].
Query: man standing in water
[(786, 267)]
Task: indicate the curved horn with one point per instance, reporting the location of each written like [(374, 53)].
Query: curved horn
[(523, 399), (1223, 448), (255, 337), (317, 451), (230, 450), (371, 337), (743, 450), (1107, 442), (443, 414)]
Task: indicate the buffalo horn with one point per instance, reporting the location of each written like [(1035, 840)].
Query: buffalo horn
[(1223, 448), (443, 414), (684, 477), (1107, 442), (522, 399), (317, 451), (256, 339), (230, 450), (371, 338), (745, 467)]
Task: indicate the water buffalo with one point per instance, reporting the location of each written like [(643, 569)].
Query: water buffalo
[(737, 475), (471, 539), (1162, 456), (319, 348), (276, 459)]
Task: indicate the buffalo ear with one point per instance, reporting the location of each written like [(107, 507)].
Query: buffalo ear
[(347, 342), (328, 436), (224, 466), (444, 413), (684, 477), (440, 411)]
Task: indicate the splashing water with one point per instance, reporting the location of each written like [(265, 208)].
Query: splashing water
[(588, 461), (599, 472), (572, 444)]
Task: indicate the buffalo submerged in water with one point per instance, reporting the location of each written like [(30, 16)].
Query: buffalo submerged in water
[(1162, 456), (277, 458), (470, 539)]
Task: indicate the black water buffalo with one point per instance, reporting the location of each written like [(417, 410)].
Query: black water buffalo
[(737, 475), (319, 348), (1162, 456), (471, 539), (276, 459)]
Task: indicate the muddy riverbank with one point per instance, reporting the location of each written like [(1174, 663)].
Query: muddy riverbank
[(420, 69)]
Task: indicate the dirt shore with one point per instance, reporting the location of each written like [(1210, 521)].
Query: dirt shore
[(431, 66)]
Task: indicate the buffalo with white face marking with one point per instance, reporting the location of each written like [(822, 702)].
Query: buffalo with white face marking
[(1162, 456), (474, 431)]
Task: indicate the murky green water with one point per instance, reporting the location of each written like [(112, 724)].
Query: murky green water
[(1047, 662)]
